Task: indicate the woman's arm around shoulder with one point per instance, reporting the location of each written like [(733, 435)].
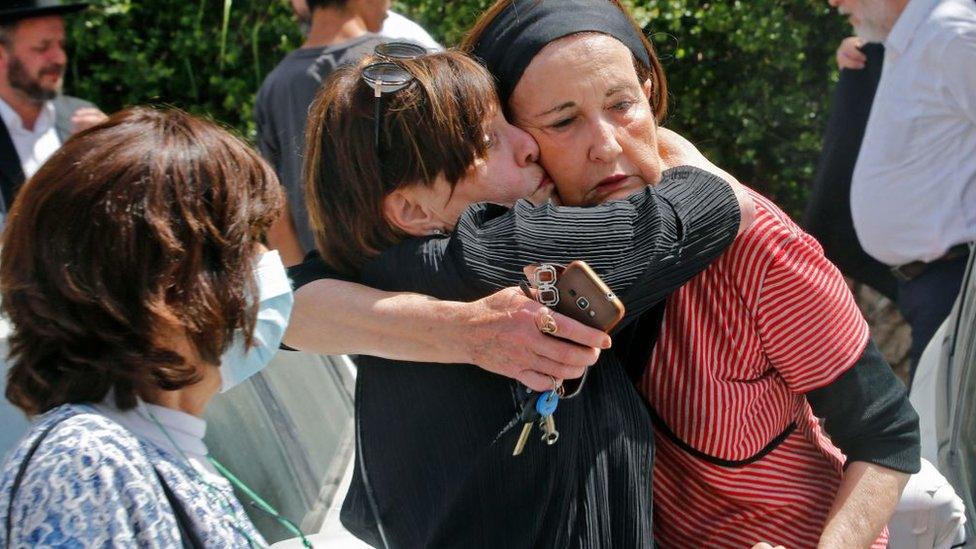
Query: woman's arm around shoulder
[(676, 151), (498, 333), (644, 247)]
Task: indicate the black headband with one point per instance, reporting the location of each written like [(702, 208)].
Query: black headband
[(517, 34)]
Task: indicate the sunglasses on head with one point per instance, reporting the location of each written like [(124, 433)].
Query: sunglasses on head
[(399, 50), (544, 281), (387, 76)]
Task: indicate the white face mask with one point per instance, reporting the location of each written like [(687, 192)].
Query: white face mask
[(274, 309)]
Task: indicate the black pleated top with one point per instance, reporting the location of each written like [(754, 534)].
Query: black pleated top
[(434, 441)]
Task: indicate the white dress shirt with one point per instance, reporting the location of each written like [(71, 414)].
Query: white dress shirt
[(913, 192), (33, 147)]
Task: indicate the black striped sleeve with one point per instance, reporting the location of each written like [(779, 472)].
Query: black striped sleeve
[(705, 217), (643, 247)]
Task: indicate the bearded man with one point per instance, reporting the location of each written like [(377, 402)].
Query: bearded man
[(37, 118)]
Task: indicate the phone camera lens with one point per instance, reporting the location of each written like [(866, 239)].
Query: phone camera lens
[(582, 303)]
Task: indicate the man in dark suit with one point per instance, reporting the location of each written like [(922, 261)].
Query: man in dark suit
[(37, 118), (828, 215)]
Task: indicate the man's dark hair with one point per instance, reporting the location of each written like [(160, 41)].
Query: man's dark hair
[(316, 4), (7, 32)]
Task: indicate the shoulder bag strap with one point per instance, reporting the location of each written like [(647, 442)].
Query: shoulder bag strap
[(187, 533), (22, 470), (190, 541)]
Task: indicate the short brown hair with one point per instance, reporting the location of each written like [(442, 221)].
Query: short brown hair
[(151, 215), (435, 127), (654, 73)]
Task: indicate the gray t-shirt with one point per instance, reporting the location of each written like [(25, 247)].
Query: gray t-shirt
[(281, 110)]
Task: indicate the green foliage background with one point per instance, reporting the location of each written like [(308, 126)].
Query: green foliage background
[(750, 79)]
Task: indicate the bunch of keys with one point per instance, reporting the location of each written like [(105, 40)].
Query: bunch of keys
[(539, 410)]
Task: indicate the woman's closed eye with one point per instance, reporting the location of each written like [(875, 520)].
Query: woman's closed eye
[(562, 123), (623, 106)]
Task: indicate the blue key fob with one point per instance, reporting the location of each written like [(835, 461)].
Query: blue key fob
[(546, 403)]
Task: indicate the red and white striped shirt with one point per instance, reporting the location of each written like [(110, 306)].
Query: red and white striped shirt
[(740, 456)]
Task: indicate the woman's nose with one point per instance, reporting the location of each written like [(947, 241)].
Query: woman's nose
[(525, 148), (605, 147)]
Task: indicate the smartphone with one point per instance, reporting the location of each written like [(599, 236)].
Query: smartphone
[(577, 292), (583, 296)]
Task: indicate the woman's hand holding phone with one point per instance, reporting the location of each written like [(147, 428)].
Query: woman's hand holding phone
[(502, 335), (578, 293)]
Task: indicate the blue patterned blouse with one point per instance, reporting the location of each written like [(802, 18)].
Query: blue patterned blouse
[(92, 483)]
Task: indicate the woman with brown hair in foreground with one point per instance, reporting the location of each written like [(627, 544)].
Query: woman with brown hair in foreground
[(133, 278)]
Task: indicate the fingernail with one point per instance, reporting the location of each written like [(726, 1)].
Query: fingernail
[(607, 343)]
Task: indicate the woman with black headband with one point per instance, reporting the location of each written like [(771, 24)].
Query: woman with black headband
[(435, 464), (753, 350)]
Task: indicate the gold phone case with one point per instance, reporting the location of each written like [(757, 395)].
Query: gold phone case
[(583, 296)]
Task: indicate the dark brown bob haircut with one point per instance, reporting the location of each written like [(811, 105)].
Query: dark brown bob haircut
[(654, 73), (433, 128), (137, 227)]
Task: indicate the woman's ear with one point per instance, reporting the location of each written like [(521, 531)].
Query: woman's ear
[(648, 88), (406, 209)]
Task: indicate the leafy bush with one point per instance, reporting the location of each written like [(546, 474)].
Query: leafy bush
[(206, 56), (749, 79), (750, 82)]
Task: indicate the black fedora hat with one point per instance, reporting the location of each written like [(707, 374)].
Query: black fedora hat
[(15, 10)]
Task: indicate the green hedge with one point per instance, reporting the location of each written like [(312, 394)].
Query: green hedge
[(749, 79), (206, 56)]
